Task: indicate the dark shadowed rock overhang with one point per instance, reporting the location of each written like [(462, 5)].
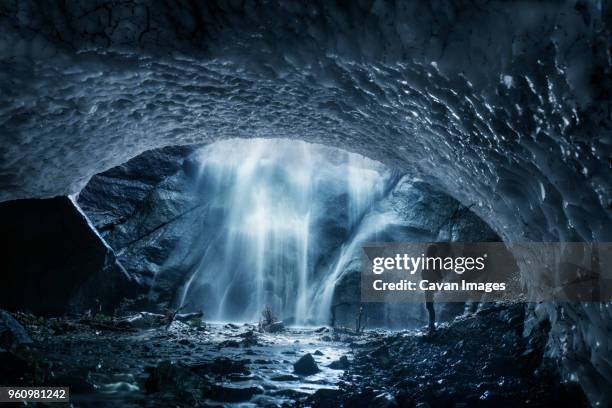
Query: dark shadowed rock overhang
[(54, 262)]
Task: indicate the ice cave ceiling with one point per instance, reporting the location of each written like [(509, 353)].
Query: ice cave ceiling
[(504, 105)]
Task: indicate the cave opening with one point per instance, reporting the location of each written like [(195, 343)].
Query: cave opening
[(236, 226)]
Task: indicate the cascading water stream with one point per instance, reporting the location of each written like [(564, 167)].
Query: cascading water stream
[(271, 200), (323, 293)]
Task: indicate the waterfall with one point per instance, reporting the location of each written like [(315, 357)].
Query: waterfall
[(271, 200), (323, 293)]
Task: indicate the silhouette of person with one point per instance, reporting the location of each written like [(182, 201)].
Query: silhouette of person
[(433, 275)]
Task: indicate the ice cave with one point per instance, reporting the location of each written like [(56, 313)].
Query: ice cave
[(189, 192)]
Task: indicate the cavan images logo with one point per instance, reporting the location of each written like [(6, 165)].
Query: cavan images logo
[(461, 272)]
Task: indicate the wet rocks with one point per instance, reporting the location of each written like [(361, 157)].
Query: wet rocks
[(60, 327), (187, 376), (175, 380), (384, 400), (416, 369), (285, 377), (306, 365), (246, 339), (249, 338), (77, 381), (341, 364), (223, 393), (326, 398), (229, 343), (381, 355), (21, 367), (274, 327), (222, 366), (145, 320), (269, 323)]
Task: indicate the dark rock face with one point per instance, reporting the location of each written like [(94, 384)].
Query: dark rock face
[(113, 196), (139, 208), (55, 262)]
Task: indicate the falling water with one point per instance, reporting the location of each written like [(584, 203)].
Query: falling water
[(270, 199), (323, 293)]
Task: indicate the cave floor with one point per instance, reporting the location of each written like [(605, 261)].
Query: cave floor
[(230, 363), (475, 361)]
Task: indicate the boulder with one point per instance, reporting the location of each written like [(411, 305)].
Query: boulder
[(273, 327), (12, 333), (173, 377), (306, 365), (326, 398), (77, 381), (224, 393), (341, 364), (21, 367), (222, 366), (285, 377)]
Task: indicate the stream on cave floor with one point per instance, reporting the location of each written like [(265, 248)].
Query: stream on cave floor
[(105, 368), (234, 365)]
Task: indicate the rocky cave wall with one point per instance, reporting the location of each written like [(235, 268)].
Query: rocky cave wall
[(506, 105)]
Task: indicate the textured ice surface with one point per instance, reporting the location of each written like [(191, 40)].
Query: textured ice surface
[(506, 105)]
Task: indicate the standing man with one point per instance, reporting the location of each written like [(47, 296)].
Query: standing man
[(433, 275)]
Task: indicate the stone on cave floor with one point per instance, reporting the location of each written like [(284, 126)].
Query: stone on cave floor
[(222, 366), (77, 381), (12, 333), (273, 327), (326, 398), (21, 367), (306, 365), (341, 364), (225, 393), (229, 343), (285, 377), (143, 320), (248, 339)]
